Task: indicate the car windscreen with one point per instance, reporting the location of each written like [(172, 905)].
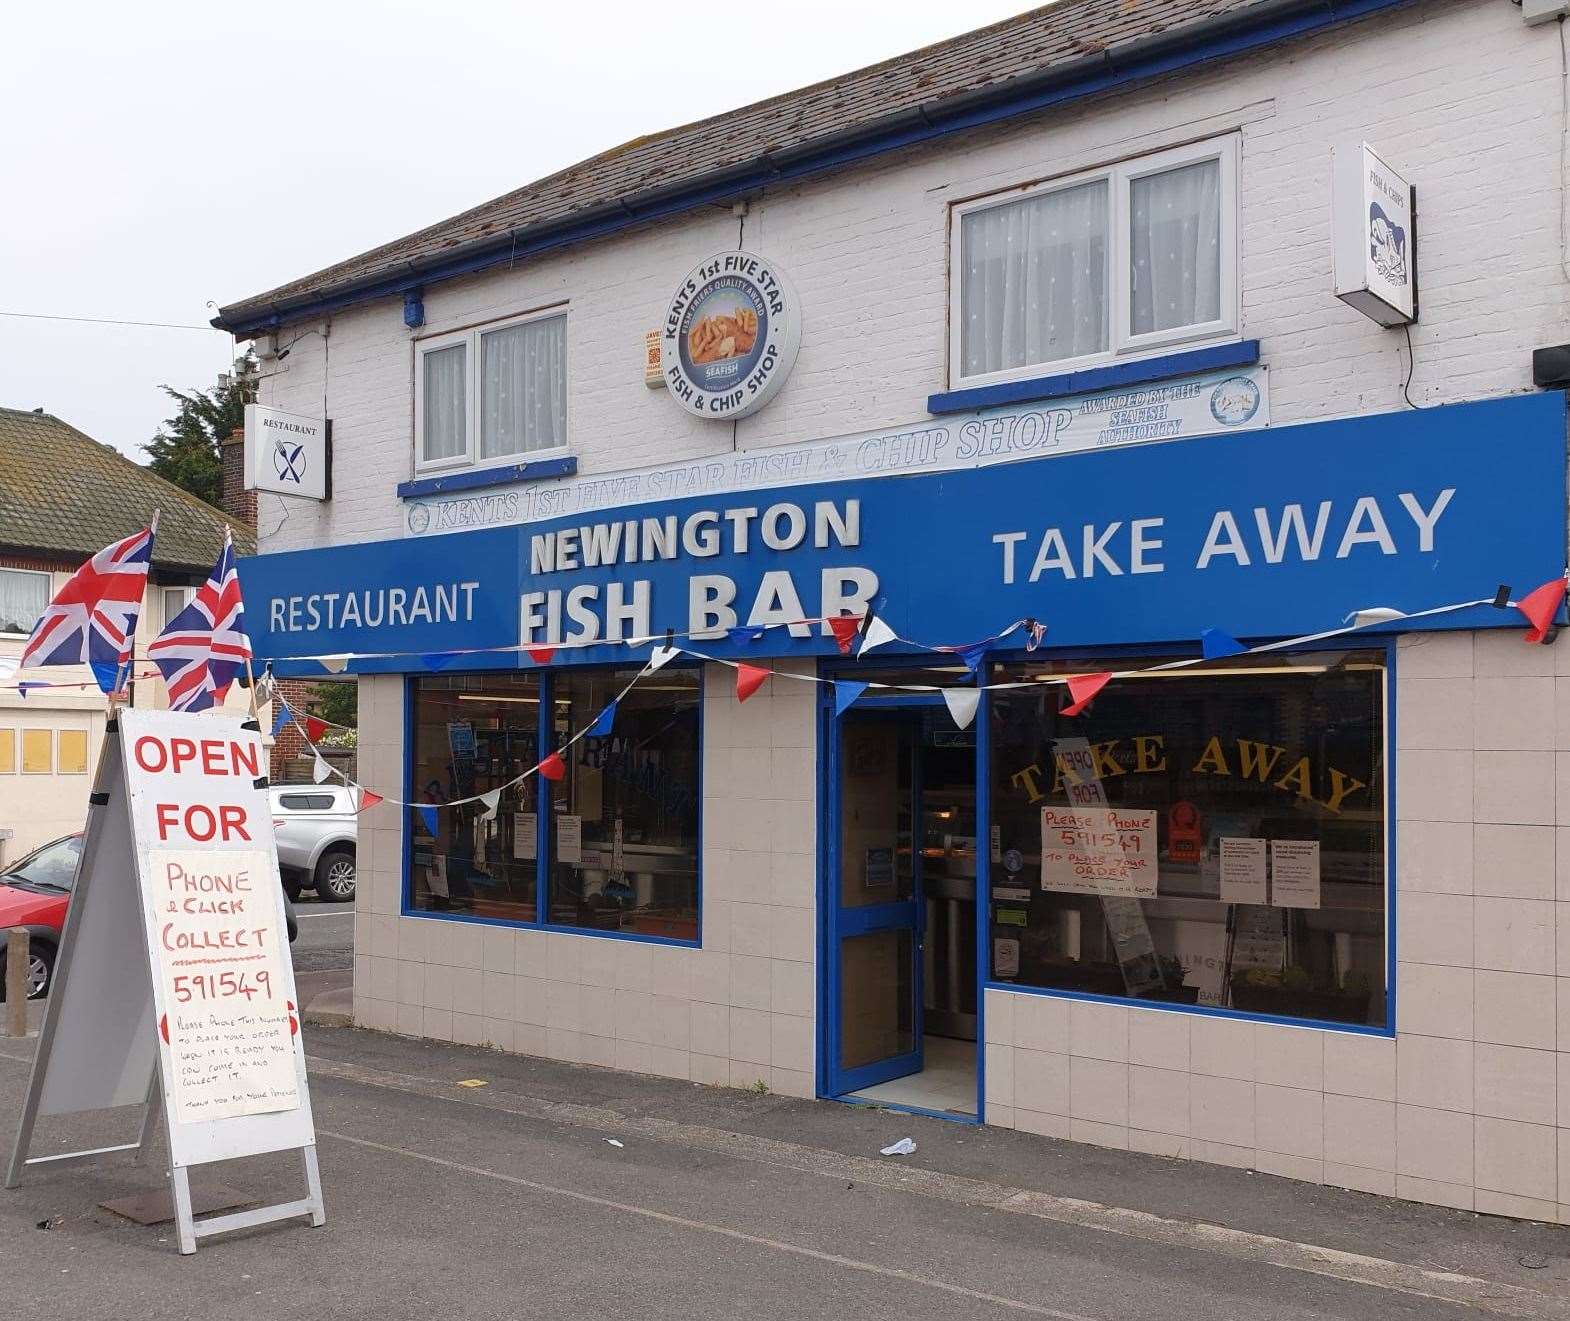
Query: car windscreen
[(53, 866)]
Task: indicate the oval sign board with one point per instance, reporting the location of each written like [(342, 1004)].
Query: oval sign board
[(730, 336)]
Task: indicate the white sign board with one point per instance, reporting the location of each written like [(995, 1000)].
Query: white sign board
[(1099, 850), (174, 988), (1294, 873), (287, 453), (1375, 250), (1231, 400)]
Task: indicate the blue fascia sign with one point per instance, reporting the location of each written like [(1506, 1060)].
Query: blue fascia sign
[(1269, 533)]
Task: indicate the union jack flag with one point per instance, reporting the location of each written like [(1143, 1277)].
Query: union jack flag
[(92, 619), (204, 646)]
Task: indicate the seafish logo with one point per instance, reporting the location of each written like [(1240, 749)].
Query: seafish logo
[(1386, 245), (1235, 401)]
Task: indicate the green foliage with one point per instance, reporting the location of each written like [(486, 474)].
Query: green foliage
[(338, 702), (186, 449)]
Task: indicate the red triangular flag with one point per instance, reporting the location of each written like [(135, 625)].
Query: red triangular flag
[(749, 678), (844, 628), (368, 799), (314, 728), (553, 767), (1540, 606), (1083, 687), (541, 655)]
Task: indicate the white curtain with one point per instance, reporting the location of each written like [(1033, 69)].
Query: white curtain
[(445, 403), (23, 597), (523, 388), (1035, 280), (1176, 258)]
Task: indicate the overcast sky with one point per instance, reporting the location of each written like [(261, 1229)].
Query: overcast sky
[(155, 157)]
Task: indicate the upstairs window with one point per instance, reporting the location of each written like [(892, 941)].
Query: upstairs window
[(1115, 263), (23, 595), (492, 395)]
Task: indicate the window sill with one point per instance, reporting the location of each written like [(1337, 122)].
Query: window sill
[(1242, 353), (478, 479), (555, 929)]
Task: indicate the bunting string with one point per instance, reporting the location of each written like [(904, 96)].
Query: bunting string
[(962, 701)]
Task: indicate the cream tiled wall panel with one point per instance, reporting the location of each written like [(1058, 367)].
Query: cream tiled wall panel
[(1474, 118), (1469, 1104), (738, 1012)]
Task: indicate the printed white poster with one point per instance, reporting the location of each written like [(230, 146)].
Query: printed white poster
[(1076, 766), (1099, 850), (1242, 870), (569, 838), (218, 961), (1294, 873), (525, 836)]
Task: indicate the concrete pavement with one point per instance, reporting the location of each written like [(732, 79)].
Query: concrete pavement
[(507, 1200)]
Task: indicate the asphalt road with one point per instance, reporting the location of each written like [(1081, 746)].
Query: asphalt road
[(326, 939), (509, 1200)]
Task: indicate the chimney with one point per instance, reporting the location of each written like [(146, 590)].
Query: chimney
[(236, 501)]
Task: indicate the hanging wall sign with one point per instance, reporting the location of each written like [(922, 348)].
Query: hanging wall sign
[(1375, 241), (730, 336), (287, 453)]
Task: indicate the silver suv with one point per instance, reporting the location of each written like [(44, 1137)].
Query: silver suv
[(314, 825)]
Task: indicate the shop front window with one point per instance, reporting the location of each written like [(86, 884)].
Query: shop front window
[(472, 734), (624, 819), (617, 849), (1210, 836)]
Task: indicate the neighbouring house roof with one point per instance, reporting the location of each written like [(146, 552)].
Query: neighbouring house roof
[(64, 493), (1071, 48)]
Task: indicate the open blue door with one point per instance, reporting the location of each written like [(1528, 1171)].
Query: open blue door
[(875, 911)]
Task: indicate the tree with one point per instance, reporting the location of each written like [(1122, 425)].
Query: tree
[(186, 450), (338, 702)]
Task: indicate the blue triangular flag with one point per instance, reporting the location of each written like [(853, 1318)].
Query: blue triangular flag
[(428, 820), (972, 654), (751, 633), (436, 660), (107, 673), (26, 686), (603, 723), (846, 691), (1217, 644), (282, 718)]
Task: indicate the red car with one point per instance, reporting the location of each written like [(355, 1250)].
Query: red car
[(34, 893)]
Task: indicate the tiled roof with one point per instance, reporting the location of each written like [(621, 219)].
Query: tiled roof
[(61, 492), (1041, 41)]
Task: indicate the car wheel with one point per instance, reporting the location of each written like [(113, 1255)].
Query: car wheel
[(40, 970), (335, 876)]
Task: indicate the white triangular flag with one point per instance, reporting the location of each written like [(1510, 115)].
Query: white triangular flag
[(876, 635), (1375, 614), (661, 656), (962, 704), (334, 664), (322, 771), (490, 800)]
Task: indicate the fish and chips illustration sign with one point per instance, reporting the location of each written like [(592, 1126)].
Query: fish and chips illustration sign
[(730, 336)]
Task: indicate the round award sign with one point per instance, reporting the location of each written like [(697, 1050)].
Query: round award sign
[(730, 336)]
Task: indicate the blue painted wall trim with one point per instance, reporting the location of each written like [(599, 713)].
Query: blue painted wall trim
[(1244, 353), (477, 480), (1231, 34)]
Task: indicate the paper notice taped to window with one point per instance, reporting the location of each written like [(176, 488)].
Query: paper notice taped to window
[(1242, 870), (569, 838), (1294, 873), (525, 836)]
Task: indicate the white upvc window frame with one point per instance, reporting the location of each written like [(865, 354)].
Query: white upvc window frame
[(48, 592), (1123, 344), (187, 595), (470, 337)]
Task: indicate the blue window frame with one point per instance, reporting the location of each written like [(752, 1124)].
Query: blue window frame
[(612, 850)]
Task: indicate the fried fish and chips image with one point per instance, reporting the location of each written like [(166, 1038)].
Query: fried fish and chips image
[(727, 335)]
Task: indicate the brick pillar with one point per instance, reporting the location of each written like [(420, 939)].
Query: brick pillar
[(290, 742), (236, 501)]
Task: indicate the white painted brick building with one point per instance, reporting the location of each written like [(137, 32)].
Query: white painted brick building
[(1464, 1099)]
